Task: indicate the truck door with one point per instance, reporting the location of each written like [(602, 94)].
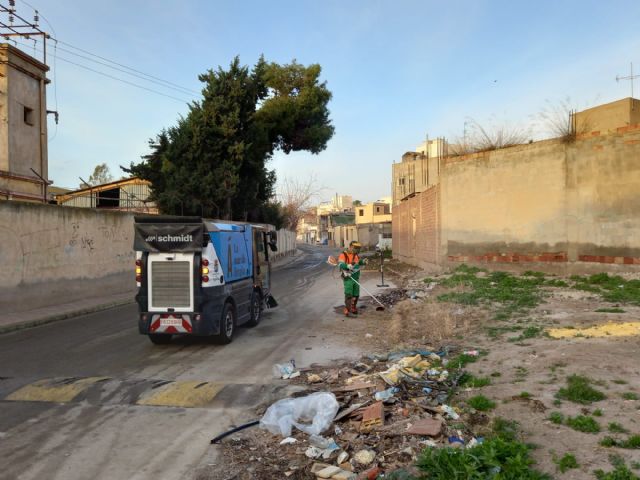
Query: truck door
[(261, 261)]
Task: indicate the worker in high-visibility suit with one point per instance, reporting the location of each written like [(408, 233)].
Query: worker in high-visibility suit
[(349, 263)]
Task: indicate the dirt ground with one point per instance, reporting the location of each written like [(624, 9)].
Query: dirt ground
[(526, 367)]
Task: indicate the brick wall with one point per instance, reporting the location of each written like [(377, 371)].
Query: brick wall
[(415, 228)]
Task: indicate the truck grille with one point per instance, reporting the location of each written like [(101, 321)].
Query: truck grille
[(170, 284)]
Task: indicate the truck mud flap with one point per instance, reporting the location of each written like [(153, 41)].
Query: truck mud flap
[(270, 302)]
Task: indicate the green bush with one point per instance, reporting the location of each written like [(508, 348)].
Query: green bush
[(481, 403), (583, 423)]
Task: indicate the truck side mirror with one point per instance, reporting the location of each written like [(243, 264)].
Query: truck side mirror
[(273, 241)]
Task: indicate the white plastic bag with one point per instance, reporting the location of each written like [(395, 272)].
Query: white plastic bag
[(318, 408)]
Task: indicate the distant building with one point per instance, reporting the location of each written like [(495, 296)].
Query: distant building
[(23, 126), (374, 212), (130, 195), (609, 116), (418, 170)]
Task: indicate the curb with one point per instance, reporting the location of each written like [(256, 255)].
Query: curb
[(61, 316)]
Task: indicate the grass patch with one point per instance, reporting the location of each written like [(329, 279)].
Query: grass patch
[(611, 288), (583, 423), (619, 381), (501, 453), (557, 418), (512, 294), (461, 361), (495, 332), (469, 380), (529, 332), (566, 462), (496, 374), (481, 403), (429, 280), (610, 310), (579, 390), (556, 283), (620, 471), (597, 412), (617, 428), (630, 396), (525, 395)]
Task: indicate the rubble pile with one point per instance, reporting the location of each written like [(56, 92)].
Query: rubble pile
[(389, 409), (389, 297)]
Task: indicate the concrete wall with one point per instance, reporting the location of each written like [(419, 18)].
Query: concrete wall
[(563, 204), (609, 116), (51, 254)]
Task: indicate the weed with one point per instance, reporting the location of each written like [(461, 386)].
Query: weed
[(619, 472), (557, 418), (495, 332), (610, 310), (557, 402), (529, 332), (619, 381), (579, 390), (635, 465), (509, 457), (583, 423), (597, 412), (469, 380), (512, 294), (481, 403), (530, 273), (505, 429), (630, 396), (461, 361), (556, 283), (429, 280), (566, 462), (525, 395), (617, 428), (496, 374), (614, 289)]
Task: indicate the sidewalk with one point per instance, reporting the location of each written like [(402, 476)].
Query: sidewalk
[(40, 316)]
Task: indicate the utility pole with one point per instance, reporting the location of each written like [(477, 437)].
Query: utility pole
[(630, 77), (15, 25)]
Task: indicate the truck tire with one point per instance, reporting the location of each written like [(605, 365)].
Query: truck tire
[(159, 338), (255, 308), (227, 324)]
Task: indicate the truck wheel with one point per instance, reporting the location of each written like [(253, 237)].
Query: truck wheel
[(256, 309), (227, 324), (159, 339)]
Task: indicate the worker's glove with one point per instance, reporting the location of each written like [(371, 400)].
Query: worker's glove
[(350, 267)]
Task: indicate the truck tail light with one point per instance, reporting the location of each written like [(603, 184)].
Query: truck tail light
[(205, 262), (205, 279)]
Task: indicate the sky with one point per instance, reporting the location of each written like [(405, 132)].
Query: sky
[(399, 71)]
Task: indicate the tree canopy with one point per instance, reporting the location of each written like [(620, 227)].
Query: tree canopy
[(100, 175), (214, 161)]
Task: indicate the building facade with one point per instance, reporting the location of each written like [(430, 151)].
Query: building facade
[(23, 126)]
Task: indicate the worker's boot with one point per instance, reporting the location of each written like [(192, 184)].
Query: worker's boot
[(354, 308), (347, 305)]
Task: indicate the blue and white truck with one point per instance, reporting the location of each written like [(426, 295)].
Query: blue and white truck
[(201, 277)]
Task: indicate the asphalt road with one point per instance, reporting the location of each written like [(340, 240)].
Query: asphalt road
[(89, 397)]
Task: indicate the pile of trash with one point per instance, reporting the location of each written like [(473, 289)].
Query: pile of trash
[(390, 297), (361, 420)]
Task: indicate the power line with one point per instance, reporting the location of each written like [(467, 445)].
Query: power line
[(124, 66), (112, 76)]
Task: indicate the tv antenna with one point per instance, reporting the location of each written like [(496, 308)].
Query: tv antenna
[(630, 77)]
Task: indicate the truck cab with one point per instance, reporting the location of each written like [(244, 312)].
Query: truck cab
[(201, 277)]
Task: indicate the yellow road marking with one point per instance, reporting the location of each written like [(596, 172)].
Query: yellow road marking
[(625, 329), (54, 389), (182, 394)]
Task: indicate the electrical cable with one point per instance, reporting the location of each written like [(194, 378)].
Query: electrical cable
[(114, 77)]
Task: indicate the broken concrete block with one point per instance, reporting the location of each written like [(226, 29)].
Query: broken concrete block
[(372, 417), (429, 427), (328, 472)]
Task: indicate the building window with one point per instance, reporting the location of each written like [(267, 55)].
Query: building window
[(28, 116), (361, 212), (377, 209)]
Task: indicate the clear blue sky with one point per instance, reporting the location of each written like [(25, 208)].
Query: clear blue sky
[(398, 70)]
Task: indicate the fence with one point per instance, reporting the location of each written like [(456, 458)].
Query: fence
[(286, 244)]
